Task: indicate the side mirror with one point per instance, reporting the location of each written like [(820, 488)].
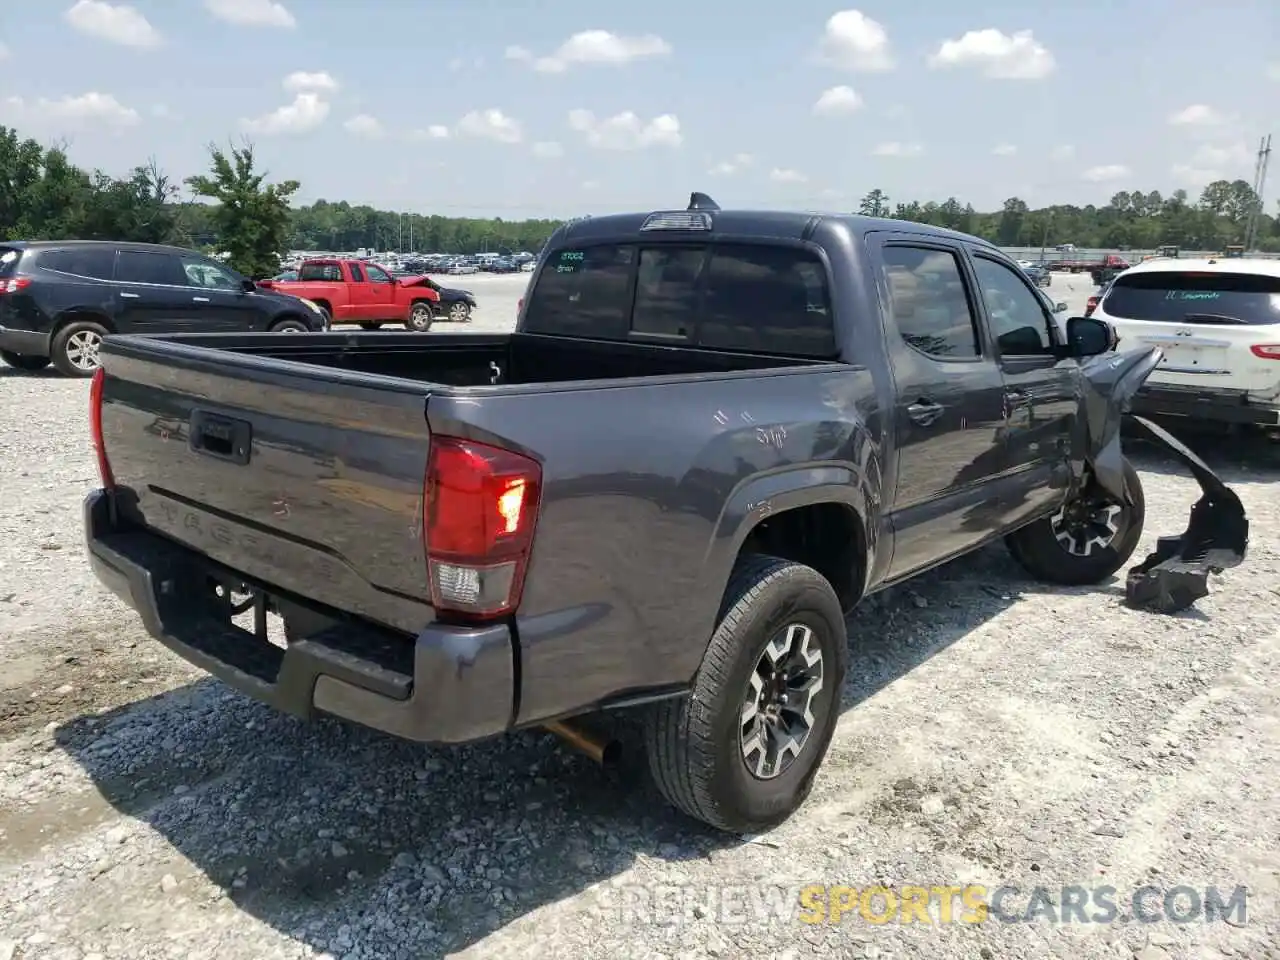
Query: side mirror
[(248, 286), (1088, 337), (1060, 308)]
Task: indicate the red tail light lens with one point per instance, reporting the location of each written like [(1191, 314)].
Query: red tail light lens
[(481, 506), (520, 304), (1091, 306), (1266, 351), (95, 427), (15, 285)]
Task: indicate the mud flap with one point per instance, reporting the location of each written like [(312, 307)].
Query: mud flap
[(1176, 574)]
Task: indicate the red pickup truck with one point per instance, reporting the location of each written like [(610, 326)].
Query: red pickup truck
[(353, 291)]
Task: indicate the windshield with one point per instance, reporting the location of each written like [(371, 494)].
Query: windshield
[(9, 258), (1176, 297)]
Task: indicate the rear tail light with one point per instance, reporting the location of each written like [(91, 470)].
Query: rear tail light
[(481, 506), (1266, 351), (95, 426), (1091, 306), (520, 304), (15, 285)]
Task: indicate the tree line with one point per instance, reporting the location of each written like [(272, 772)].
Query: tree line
[(233, 209)]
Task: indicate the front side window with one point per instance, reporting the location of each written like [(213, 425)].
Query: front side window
[(928, 303), (1019, 322), (377, 274), (1171, 296), (209, 275)]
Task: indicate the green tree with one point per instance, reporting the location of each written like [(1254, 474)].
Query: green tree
[(874, 204), (252, 218)]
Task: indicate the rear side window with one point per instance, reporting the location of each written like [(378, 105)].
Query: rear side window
[(326, 272), (928, 303), (9, 258), (1176, 297), (742, 297), (96, 263), (137, 266)]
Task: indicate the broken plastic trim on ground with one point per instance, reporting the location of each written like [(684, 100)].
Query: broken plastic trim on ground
[(1176, 574)]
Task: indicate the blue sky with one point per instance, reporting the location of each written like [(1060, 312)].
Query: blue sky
[(519, 109)]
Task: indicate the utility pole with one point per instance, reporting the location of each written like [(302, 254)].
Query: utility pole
[(1259, 186)]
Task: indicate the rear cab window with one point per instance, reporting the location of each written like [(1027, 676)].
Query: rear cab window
[(742, 297), (1169, 296)]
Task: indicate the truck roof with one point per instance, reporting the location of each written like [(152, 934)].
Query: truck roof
[(785, 225)]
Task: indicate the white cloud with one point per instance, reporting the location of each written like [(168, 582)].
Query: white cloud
[(1004, 150), (853, 41), (1213, 162), (1106, 172), (1196, 115), (728, 168), (590, 184), (784, 175), (434, 132), (594, 47), (1185, 175), (1063, 152), (548, 150), (895, 149), (1000, 56), (1227, 155), (1273, 71), (88, 109), (836, 101), (491, 124), (626, 131), (303, 82), (363, 125), (115, 24), (307, 112), (4, 52), (252, 13)]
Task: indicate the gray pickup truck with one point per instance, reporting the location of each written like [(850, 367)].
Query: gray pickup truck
[(711, 434)]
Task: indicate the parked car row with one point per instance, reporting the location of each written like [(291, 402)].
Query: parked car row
[(58, 299)]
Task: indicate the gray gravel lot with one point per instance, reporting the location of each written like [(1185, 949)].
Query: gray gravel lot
[(996, 732)]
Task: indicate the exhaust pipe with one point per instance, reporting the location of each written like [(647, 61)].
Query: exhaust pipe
[(602, 750)]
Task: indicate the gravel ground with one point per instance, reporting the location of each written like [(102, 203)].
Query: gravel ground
[(996, 732)]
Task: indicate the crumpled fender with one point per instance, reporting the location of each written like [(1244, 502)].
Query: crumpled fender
[(1176, 574)]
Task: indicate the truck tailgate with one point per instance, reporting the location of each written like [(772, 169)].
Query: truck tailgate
[(307, 478)]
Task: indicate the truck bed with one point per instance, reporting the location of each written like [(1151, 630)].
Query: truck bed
[(299, 461)]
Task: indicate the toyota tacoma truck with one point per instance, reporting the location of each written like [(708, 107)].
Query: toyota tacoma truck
[(353, 291), (711, 434)]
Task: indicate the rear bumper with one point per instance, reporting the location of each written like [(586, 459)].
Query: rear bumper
[(25, 342), (1211, 405), (447, 685)]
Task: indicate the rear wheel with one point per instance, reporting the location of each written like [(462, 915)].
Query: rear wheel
[(742, 751), (1088, 540), (459, 312), (75, 347), (420, 316), (23, 361), (289, 325)]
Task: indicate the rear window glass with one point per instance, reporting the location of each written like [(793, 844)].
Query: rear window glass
[(328, 272), (9, 258), (95, 262), (753, 298), (1170, 297)]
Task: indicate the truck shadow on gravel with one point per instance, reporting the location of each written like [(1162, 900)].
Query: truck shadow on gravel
[(335, 835)]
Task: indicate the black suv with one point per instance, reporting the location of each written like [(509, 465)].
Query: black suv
[(58, 299)]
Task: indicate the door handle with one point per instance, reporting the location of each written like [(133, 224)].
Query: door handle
[(200, 299), (925, 412), (129, 296)]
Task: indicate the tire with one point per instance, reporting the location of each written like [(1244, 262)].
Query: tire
[(290, 325), (459, 311), (24, 361), (371, 325), (1046, 557), (74, 350), (420, 316), (696, 748)]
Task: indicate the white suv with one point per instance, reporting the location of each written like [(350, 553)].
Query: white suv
[(1218, 323)]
